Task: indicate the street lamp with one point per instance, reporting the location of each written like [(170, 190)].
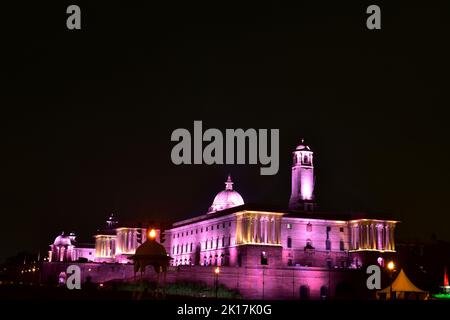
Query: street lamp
[(391, 267), (152, 234), (216, 279)]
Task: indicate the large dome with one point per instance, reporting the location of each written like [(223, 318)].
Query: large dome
[(303, 146), (227, 198), (63, 240)]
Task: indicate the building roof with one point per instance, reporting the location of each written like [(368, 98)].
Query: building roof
[(150, 248), (313, 215)]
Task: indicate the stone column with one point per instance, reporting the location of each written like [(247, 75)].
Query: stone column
[(387, 239), (373, 242), (379, 237), (391, 238), (266, 230)]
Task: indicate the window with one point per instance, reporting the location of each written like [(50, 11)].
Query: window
[(211, 243), (201, 229), (206, 228), (324, 292), (229, 224), (304, 292), (192, 231), (217, 243), (329, 263), (218, 226), (212, 227), (191, 246), (223, 241), (223, 225), (309, 227), (289, 242), (206, 244), (341, 229), (196, 231), (264, 260), (341, 245), (328, 244), (289, 225)]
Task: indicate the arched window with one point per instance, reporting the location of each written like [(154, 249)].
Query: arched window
[(324, 292), (264, 260), (304, 292)]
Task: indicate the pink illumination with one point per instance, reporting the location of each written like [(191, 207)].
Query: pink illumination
[(445, 277)]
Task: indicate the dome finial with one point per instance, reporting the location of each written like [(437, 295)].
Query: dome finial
[(229, 183)]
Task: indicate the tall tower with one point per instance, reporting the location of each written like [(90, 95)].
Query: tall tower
[(302, 195)]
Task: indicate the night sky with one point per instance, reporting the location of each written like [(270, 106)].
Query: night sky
[(87, 115)]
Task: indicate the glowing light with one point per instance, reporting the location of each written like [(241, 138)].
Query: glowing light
[(391, 265), (152, 234), (217, 270)]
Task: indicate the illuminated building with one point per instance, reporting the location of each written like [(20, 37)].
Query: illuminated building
[(232, 233), (65, 248), (290, 252), (113, 244)]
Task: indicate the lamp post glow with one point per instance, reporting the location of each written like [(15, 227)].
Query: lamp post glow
[(152, 234), (216, 279), (391, 267)]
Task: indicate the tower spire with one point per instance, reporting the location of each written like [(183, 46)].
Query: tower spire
[(302, 194), (229, 183)]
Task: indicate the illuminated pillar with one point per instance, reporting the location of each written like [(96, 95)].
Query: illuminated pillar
[(391, 237), (261, 230), (379, 236), (238, 231), (277, 230), (271, 224), (274, 231), (255, 229), (248, 228), (266, 230), (387, 240), (373, 240)]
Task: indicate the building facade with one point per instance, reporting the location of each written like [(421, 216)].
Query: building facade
[(232, 233), (113, 244)]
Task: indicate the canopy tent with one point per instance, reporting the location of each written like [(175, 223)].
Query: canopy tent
[(402, 288)]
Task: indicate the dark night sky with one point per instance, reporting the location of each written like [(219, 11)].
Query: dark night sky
[(87, 115)]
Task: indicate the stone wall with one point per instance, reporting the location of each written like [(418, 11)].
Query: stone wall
[(252, 282)]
